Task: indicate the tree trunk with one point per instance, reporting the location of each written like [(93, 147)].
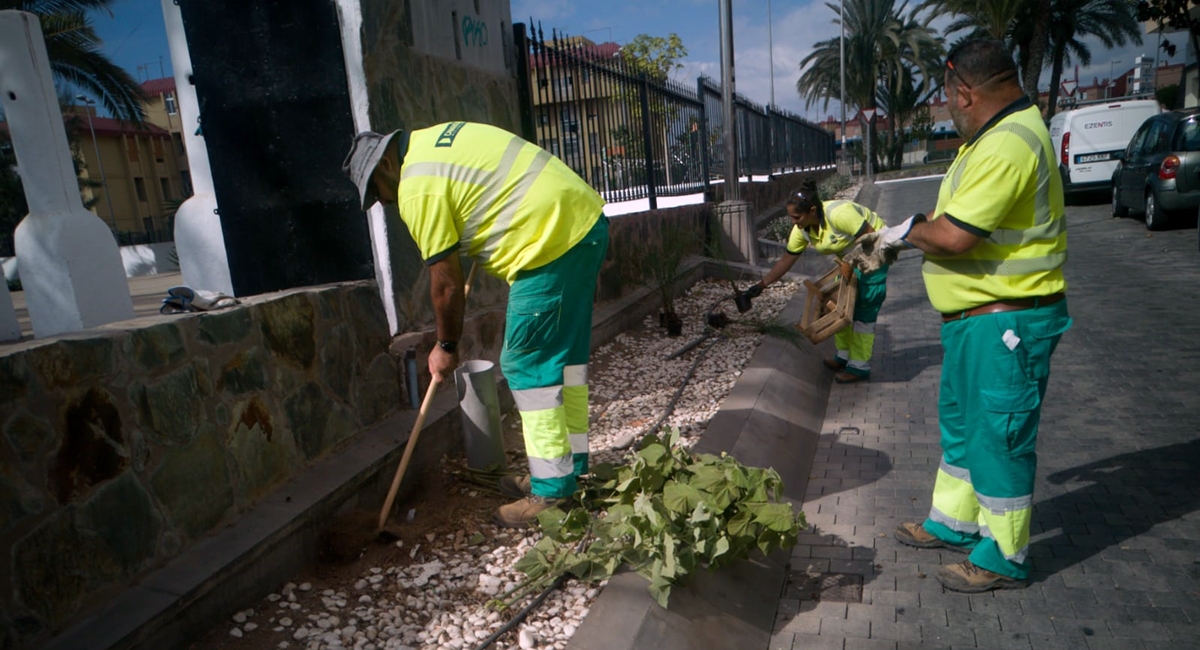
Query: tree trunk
[(1037, 47), (1055, 80)]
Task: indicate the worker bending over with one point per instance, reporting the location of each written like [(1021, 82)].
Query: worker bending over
[(524, 216)]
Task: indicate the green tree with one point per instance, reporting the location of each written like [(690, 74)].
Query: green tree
[(883, 45), (1113, 22), (655, 56), (75, 57), (1174, 15), (977, 18), (1168, 96)]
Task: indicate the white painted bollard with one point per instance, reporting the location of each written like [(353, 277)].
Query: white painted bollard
[(199, 239), (71, 270)]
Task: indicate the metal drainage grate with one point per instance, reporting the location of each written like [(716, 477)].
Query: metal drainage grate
[(829, 587)]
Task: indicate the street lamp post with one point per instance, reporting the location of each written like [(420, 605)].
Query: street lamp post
[(112, 216), (1111, 83)]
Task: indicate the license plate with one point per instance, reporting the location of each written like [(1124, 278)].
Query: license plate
[(1093, 157)]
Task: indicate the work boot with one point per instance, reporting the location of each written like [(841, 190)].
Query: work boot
[(914, 534), (846, 377), (517, 487), (971, 579), (834, 363), (519, 514)]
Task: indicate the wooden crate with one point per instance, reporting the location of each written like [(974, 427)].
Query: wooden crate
[(829, 306)]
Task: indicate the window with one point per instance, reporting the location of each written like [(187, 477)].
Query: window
[(593, 142), (185, 183), (177, 139), (158, 149), (543, 119), (131, 147), (148, 224), (139, 184), (550, 145), (165, 185), (169, 100)]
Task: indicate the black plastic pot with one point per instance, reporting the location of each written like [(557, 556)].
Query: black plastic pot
[(672, 322)]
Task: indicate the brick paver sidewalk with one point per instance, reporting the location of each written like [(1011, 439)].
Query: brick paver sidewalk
[(1116, 532)]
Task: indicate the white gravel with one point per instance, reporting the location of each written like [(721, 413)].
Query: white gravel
[(439, 601)]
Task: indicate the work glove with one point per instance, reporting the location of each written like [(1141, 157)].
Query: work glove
[(880, 248), (742, 298)]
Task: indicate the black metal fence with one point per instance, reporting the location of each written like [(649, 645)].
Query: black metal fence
[(632, 136)]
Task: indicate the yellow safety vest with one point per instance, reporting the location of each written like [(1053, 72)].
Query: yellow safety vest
[(511, 204), (1004, 187), (842, 223)]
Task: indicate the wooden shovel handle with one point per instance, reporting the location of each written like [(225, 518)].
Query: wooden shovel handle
[(408, 450)]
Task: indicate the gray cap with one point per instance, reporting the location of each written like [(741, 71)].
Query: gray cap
[(365, 154)]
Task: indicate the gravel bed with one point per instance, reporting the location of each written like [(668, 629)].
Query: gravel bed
[(440, 600)]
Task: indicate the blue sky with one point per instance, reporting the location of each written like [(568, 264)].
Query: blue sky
[(134, 36)]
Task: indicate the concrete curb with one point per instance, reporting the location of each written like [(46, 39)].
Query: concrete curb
[(771, 418), (868, 195)]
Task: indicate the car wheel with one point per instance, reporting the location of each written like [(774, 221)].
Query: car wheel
[(1156, 219), (1118, 210)]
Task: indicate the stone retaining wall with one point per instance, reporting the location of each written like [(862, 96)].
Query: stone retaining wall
[(122, 445)]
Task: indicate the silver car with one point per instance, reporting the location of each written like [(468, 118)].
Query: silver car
[(1159, 173)]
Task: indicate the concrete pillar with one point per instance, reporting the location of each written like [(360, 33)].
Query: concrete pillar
[(70, 267), (10, 330), (739, 238), (199, 239)]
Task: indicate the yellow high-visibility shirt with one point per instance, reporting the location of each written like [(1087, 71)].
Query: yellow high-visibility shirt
[(1005, 187), (511, 204), (844, 222)]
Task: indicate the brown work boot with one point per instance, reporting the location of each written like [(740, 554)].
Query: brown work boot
[(914, 534), (968, 578), (846, 377), (517, 487), (519, 514), (834, 363)]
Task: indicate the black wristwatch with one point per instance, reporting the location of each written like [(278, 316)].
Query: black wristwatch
[(448, 346)]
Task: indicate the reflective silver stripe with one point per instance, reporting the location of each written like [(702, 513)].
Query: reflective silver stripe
[(506, 212), (957, 526), (864, 328), (495, 182), (859, 365), (538, 399), (994, 267), (575, 375), (1042, 195), (843, 354), (1042, 232), (551, 467), (833, 205), (457, 173), (579, 443), (1017, 557), (959, 473), (1002, 505), (959, 165)]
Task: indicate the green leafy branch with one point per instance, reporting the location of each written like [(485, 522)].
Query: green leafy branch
[(665, 514)]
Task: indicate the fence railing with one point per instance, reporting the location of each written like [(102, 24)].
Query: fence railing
[(632, 136)]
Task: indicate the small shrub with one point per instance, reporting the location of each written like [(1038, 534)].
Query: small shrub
[(829, 187), (15, 285)]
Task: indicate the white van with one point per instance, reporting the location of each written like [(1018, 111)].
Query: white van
[(1088, 137)]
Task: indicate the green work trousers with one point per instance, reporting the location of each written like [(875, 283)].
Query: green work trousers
[(994, 376), (547, 340), (856, 342)]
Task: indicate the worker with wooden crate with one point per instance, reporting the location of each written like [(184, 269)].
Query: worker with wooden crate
[(830, 229), (994, 251)]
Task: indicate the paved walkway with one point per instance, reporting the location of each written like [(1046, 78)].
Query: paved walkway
[(1116, 532)]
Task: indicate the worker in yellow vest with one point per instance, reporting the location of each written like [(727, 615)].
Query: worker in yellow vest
[(524, 216), (831, 228), (994, 251)]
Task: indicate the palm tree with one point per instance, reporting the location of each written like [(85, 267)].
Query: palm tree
[(881, 45), (1111, 21), (75, 57), (1023, 24)]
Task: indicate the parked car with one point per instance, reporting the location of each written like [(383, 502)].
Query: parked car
[(1088, 138), (1159, 173)]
